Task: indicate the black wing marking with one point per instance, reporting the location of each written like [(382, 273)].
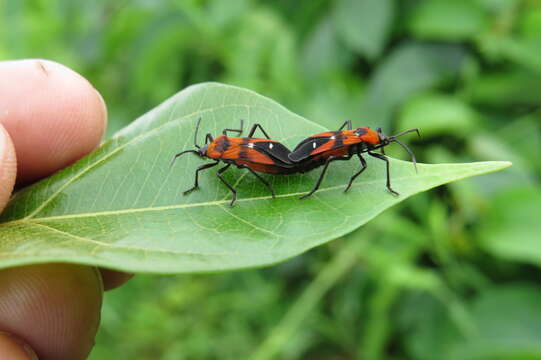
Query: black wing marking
[(274, 149), (306, 147), (307, 140)]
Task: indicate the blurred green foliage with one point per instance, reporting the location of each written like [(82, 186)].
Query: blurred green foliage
[(452, 274)]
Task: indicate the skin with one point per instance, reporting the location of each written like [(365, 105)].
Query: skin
[(50, 117)]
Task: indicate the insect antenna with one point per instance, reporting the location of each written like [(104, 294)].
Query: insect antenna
[(189, 151), (394, 139), (405, 132), (409, 152), (196, 132), (182, 153)]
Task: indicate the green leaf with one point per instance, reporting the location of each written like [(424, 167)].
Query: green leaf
[(438, 115), (121, 207), (410, 69), (364, 25), (525, 52), (448, 20), (322, 53), (506, 323), (530, 22), (506, 88), (511, 228)]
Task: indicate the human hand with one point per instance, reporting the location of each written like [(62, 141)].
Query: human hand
[(49, 117)]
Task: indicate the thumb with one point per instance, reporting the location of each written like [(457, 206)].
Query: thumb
[(8, 167)]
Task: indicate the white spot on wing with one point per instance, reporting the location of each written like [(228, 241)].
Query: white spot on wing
[(271, 145), (333, 137), (250, 145), (314, 144)]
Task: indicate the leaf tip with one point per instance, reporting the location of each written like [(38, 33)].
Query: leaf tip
[(500, 165)]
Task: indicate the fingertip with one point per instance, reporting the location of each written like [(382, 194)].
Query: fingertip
[(8, 167), (53, 114)]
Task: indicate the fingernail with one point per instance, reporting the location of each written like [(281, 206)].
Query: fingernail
[(20, 344), (3, 141), (8, 166), (103, 107)]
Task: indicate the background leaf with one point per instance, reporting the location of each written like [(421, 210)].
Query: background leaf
[(448, 20), (511, 228), (364, 25), (438, 115), (495, 334), (121, 206), (410, 69)]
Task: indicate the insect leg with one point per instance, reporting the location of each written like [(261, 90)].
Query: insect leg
[(384, 158), (238, 131), (363, 163), (318, 183), (260, 179), (233, 191), (196, 185), (182, 153), (254, 128), (208, 139), (348, 123)]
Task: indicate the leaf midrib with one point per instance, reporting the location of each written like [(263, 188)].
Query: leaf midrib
[(179, 206), (493, 167)]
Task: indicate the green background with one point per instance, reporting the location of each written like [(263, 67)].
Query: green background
[(449, 274)]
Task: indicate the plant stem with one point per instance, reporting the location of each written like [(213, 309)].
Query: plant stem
[(290, 323)]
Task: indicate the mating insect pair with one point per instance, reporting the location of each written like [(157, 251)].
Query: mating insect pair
[(270, 156)]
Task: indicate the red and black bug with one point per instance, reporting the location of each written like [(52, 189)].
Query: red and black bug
[(322, 149), (254, 154)]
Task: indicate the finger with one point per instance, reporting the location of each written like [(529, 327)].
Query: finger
[(8, 167), (53, 115), (55, 308)]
